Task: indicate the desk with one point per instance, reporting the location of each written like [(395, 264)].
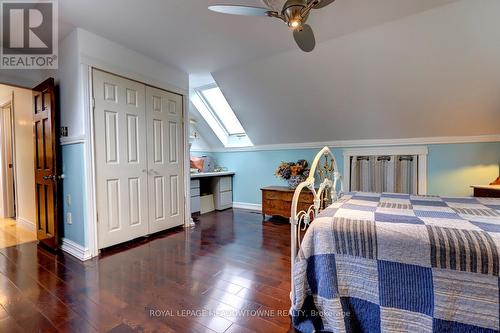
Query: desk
[(211, 191), (211, 174), (487, 191)]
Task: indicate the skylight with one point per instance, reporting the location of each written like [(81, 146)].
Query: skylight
[(214, 108), (219, 105)]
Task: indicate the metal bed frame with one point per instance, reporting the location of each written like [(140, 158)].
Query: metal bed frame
[(326, 185)]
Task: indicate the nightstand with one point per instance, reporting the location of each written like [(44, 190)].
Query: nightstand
[(487, 191), (277, 200)]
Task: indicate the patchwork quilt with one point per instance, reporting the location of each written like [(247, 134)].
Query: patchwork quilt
[(399, 263)]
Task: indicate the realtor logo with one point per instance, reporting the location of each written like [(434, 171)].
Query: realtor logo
[(29, 35)]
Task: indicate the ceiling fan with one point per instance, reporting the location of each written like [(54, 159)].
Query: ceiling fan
[(293, 12)]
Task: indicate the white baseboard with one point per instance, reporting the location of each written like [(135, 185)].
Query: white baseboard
[(76, 250), (246, 205), (26, 223)]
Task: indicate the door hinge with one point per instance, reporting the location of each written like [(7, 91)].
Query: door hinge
[(93, 103)]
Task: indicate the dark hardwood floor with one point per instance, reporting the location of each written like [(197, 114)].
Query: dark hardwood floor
[(228, 274)]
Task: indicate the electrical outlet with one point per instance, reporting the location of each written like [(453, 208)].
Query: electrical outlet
[(68, 200), (69, 218)]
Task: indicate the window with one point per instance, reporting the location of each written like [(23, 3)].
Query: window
[(384, 173), (213, 106), (361, 163), (222, 110)]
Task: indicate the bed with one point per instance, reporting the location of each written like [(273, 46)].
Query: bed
[(386, 262)]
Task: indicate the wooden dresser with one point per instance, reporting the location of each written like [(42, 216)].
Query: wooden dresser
[(487, 191), (277, 201)]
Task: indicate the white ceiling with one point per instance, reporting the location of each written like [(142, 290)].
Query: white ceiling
[(381, 69), (185, 34)]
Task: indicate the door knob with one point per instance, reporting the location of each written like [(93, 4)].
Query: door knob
[(53, 177)]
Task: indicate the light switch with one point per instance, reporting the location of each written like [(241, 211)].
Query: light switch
[(68, 199), (69, 218)]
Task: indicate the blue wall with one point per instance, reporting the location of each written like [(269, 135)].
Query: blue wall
[(255, 169), (74, 185), (452, 168)]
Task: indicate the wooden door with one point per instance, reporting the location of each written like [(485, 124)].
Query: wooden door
[(165, 159), (121, 160), (46, 166)]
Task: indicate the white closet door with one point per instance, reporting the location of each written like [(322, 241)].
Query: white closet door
[(165, 156), (121, 158)]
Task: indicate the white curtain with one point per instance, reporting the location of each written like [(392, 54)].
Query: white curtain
[(406, 174), (384, 174), (365, 174), (354, 173)]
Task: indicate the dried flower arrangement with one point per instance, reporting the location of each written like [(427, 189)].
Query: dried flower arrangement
[(293, 172)]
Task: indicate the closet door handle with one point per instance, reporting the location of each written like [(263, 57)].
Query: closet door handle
[(153, 172)]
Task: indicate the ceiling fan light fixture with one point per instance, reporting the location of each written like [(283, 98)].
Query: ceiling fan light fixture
[(295, 24), (293, 13)]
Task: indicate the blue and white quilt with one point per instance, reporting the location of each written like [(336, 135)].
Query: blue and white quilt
[(400, 263)]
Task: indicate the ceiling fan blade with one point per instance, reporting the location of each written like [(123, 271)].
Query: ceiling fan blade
[(323, 3), (276, 5), (305, 38), (240, 10)]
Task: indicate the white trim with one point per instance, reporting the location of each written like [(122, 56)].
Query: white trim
[(76, 250), (418, 150), (26, 223), (421, 151), (188, 221), (366, 143), (422, 174), (247, 205), (70, 140), (89, 160)]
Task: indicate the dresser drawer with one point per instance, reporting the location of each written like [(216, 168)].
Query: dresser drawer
[(304, 196), (493, 192), (195, 204), (275, 204), (225, 184), (271, 195), (226, 198), (195, 192), (195, 183)]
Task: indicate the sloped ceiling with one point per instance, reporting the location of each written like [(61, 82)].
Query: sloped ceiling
[(382, 69), (436, 73)]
